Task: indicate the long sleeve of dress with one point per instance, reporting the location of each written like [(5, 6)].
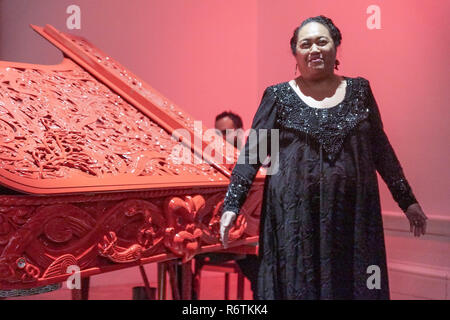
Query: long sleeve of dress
[(386, 161), (249, 162)]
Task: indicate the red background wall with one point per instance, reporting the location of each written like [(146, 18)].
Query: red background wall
[(212, 55), (404, 61)]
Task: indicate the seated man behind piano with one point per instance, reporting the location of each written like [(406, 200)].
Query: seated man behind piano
[(230, 126)]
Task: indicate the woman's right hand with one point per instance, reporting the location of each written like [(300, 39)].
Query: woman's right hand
[(226, 222), (417, 219)]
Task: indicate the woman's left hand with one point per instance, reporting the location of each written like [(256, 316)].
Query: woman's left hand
[(417, 219)]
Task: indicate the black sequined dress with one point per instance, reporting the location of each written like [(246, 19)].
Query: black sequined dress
[(321, 233)]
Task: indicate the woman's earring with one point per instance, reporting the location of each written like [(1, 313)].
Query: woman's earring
[(296, 67)]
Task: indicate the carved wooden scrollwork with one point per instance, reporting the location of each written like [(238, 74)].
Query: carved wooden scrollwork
[(183, 233), (97, 135), (39, 242), (57, 123), (134, 229)]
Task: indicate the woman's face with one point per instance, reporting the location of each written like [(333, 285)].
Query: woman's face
[(316, 53)]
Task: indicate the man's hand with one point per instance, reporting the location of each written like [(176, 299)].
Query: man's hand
[(417, 219), (226, 222)]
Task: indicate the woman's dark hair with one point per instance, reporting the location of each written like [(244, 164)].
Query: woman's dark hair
[(327, 22)]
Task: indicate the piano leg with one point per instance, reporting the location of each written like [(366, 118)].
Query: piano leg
[(161, 281), (240, 290), (148, 291), (173, 276), (227, 286), (83, 292), (186, 280), (186, 269), (198, 265)]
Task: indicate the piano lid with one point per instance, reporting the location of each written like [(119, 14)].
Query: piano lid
[(90, 125)]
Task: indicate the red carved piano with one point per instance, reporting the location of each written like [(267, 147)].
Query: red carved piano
[(88, 177)]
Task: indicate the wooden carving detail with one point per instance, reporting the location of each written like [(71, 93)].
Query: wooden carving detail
[(60, 123), (137, 84), (132, 80), (135, 229), (183, 234), (93, 131), (39, 242)]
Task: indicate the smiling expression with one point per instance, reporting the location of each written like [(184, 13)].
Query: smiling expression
[(315, 51)]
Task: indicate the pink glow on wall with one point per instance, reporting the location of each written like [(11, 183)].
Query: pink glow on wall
[(200, 54), (210, 56), (404, 62)]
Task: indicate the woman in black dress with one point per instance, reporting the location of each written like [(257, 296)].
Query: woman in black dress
[(321, 231)]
